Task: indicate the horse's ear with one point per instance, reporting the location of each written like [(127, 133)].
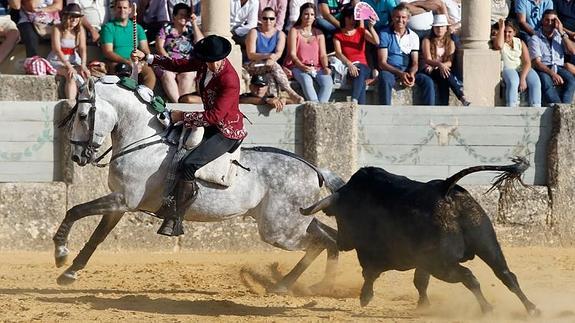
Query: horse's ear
[(90, 86)]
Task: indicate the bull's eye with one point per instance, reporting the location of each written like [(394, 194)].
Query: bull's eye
[(82, 116)]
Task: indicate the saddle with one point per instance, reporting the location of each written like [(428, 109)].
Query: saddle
[(222, 170)]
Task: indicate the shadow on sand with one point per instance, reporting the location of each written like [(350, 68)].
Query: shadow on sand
[(141, 303)]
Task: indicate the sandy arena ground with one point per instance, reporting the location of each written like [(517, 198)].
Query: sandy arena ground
[(187, 286)]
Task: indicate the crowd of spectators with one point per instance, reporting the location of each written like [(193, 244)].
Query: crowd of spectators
[(317, 43)]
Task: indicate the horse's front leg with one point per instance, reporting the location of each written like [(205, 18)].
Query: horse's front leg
[(110, 203), (107, 223)]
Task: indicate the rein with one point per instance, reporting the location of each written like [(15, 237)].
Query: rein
[(90, 145)]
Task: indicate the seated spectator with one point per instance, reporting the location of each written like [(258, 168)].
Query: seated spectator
[(34, 10), (176, 40), (117, 42), (195, 5), (68, 55), (264, 46), (307, 57), (96, 13), (349, 45), (383, 9), (328, 20), (421, 14), (566, 13), (517, 72), (547, 49), (9, 35), (529, 14), (453, 11), (152, 15), (398, 59), (259, 95), (499, 10), (279, 7), (293, 12), (438, 50), (243, 18), (329, 14)]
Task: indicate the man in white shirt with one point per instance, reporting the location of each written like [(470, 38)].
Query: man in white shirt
[(243, 18)]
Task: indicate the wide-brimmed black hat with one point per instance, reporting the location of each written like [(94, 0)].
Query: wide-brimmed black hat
[(212, 48), (73, 9)]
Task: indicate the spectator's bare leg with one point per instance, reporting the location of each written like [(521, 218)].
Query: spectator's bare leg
[(185, 82), (148, 77), (11, 38), (70, 88), (170, 86)]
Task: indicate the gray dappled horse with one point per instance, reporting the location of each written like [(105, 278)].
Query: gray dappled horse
[(272, 191)]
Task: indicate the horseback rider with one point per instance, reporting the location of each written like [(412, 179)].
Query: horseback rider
[(219, 88)]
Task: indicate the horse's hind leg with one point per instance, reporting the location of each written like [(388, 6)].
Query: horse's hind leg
[(327, 237), (322, 237), (113, 202), (107, 223)]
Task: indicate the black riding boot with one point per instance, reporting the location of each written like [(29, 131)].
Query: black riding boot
[(185, 194)]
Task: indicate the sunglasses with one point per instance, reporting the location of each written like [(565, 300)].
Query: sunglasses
[(269, 18)]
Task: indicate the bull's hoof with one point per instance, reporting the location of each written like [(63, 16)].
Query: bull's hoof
[(423, 303), (66, 278), (279, 289), (365, 298), (61, 255)]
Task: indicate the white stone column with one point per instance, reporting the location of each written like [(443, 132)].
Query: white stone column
[(475, 24), (480, 66), (216, 20)]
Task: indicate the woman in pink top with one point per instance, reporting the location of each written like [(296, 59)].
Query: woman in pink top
[(349, 44), (307, 57)]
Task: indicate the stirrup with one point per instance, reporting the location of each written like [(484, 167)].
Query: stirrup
[(171, 228)]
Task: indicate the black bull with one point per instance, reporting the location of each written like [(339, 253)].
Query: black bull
[(395, 223)]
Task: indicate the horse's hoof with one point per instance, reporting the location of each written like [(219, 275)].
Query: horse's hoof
[(66, 278), (278, 289), (61, 255), (534, 312), (321, 288)]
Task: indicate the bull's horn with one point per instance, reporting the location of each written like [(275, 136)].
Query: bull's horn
[(320, 205)]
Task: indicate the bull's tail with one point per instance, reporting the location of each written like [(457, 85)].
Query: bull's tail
[(510, 172)]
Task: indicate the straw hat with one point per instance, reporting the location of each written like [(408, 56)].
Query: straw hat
[(73, 9)]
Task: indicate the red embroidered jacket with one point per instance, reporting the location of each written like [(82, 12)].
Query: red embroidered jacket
[(221, 96)]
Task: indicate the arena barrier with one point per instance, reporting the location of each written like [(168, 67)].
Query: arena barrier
[(39, 182)]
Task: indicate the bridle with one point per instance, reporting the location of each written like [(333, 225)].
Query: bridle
[(91, 146)]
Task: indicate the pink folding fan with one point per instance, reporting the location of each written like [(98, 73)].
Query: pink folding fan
[(364, 11)]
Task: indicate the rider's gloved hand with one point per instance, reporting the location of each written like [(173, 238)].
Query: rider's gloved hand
[(177, 116)]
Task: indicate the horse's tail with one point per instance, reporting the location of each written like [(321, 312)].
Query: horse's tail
[(332, 181)]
